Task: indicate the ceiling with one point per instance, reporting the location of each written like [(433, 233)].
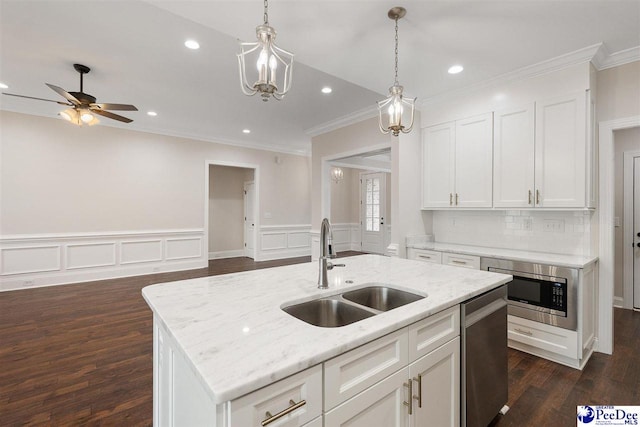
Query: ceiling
[(137, 56)]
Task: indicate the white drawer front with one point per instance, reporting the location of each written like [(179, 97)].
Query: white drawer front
[(466, 261), (425, 255), (352, 372), (430, 333), (546, 337), (251, 410)]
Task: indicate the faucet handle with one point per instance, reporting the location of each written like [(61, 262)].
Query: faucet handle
[(331, 265)]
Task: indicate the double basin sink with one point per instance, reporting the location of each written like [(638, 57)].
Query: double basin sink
[(352, 306)]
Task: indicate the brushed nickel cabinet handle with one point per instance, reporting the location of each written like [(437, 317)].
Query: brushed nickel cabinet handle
[(410, 403), (455, 261), (522, 331), (450, 199), (529, 197), (456, 199), (419, 396), (271, 418), (537, 197)]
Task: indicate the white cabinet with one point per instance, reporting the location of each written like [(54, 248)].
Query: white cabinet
[(542, 155), (436, 384), (457, 163), (459, 260), (425, 255)]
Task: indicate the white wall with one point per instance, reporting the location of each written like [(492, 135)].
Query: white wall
[(624, 140), (345, 198), (83, 203), (618, 92), (226, 210)]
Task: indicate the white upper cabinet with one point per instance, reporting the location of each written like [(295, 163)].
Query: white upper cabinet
[(513, 167), (561, 152), (457, 163), (438, 167)]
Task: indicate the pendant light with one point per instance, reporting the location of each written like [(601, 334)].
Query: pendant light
[(267, 58), (396, 110)]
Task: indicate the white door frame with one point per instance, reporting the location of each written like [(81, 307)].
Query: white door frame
[(326, 163), (606, 232), (248, 253), (256, 200), (628, 229)]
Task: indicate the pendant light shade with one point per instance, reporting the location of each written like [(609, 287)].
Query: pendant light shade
[(269, 66), (396, 112), (79, 117)]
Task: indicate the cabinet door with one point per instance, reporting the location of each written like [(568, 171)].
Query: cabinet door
[(438, 155), (560, 158), (379, 405), (513, 161), (436, 399), (473, 162)]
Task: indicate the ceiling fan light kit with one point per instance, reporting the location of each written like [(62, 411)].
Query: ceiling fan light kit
[(267, 57), (83, 106), (396, 110)]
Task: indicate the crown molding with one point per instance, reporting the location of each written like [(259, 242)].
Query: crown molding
[(603, 59), (561, 62), (356, 116)]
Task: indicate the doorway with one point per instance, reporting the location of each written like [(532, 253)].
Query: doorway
[(627, 207), (231, 206), (373, 190)]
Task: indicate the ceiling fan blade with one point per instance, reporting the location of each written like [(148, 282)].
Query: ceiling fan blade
[(39, 99), (122, 107), (64, 94), (111, 115)]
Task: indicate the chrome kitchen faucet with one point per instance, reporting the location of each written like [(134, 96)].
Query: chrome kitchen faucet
[(326, 253)]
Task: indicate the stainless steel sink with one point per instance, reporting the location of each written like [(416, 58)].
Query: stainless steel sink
[(381, 298), (328, 313)]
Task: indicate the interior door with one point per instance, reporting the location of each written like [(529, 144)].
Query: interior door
[(249, 219), (373, 190), (636, 231)]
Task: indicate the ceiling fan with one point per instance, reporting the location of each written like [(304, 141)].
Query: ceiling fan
[(83, 106)]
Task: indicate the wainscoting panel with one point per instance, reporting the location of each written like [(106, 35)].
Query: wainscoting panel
[(132, 252), (283, 241), (346, 237), (90, 255), (28, 261)]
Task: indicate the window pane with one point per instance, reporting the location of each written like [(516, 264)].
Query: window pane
[(376, 226), (376, 211), (376, 198), (369, 198), (369, 185), (369, 224)]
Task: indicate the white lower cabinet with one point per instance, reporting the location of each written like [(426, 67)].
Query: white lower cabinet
[(408, 378)]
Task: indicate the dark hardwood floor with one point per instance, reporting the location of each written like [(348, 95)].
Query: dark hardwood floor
[(81, 354)]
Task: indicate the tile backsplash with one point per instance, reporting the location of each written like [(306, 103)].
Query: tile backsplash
[(542, 231)]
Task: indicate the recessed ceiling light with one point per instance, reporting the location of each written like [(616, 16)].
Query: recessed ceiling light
[(456, 69), (327, 89), (152, 113), (246, 131), (192, 44), (3, 86)]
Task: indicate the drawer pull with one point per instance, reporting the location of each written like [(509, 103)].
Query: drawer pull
[(522, 331), (424, 256), (529, 197), (455, 261), (419, 396), (271, 418), (410, 403)]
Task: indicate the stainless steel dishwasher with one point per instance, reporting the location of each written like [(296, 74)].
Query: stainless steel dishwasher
[(483, 368)]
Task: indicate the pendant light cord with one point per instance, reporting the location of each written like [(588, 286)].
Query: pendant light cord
[(396, 82), (266, 12)]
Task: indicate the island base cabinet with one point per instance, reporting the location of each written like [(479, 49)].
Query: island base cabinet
[(436, 387), (424, 394), (379, 405)]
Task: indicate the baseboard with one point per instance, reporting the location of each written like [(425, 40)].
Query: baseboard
[(273, 255), (226, 254)]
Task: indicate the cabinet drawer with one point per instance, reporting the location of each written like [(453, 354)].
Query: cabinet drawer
[(425, 255), (430, 333), (466, 261), (305, 386), (545, 337), (352, 372)]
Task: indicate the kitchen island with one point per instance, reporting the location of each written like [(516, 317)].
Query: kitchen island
[(217, 339)]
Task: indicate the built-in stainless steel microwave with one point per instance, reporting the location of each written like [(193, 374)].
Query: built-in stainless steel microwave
[(543, 293)]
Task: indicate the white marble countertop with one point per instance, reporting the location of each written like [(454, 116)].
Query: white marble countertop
[(560, 260), (233, 332)]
